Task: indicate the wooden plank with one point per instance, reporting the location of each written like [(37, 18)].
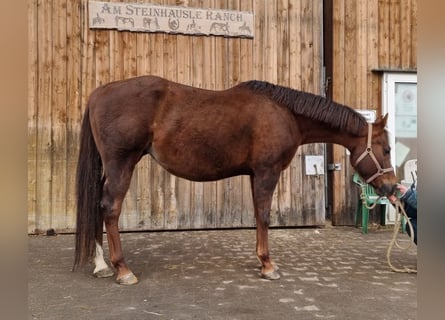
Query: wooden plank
[(270, 49), (59, 116), (102, 57), (373, 79), (283, 42), (295, 45), (405, 29), (338, 52), (87, 54), (350, 48), (258, 40), (384, 34), (394, 34), (413, 34), (362, 54), (307, 68), (317, 46), (44, 119), (74, 106), (317, 22), (32, 114)]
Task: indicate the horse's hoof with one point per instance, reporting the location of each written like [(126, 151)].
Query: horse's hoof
[(104, 273), (272, 275), (127, 279)]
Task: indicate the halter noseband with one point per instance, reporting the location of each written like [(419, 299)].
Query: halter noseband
[(368, 151)]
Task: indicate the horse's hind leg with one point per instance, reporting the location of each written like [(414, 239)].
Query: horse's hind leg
[(117, 181), (262, 191), (101, 270)]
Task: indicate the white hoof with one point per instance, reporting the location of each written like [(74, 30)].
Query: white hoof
[(104, 273)]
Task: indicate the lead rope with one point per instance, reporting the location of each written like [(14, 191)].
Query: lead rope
[(399, 212)]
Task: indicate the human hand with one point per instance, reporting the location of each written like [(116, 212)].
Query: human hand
[(402, 189)]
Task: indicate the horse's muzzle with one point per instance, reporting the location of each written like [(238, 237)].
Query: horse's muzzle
[(387, 190)]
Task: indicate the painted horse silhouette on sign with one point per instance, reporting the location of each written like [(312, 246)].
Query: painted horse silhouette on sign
[(251, 129)]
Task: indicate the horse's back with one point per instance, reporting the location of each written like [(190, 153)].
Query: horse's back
[(127, 90)]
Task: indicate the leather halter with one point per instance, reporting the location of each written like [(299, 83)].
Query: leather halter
[(368, 151)]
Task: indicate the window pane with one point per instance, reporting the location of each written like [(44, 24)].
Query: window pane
[(405, 125)]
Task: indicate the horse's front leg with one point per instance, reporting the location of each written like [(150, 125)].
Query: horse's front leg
[(262, 191), (268, 269)]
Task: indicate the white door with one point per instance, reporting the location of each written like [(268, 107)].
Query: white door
[(400, 102)]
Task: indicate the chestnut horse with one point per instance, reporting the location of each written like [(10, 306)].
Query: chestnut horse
[(252, 129)]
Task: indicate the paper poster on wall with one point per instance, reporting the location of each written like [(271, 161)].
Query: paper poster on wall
[(406, 110)]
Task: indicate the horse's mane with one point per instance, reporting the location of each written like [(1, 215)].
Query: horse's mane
[(310, 105)]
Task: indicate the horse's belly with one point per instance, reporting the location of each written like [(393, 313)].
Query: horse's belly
[(200, 165)]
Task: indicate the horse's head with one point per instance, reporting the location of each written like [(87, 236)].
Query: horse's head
[(372, 159)]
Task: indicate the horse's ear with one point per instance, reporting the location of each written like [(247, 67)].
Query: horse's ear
[(382, 120)]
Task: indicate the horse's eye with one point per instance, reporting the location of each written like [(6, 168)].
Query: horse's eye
[(387, 151)]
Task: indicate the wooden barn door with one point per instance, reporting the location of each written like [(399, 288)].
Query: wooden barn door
[(68, 60)]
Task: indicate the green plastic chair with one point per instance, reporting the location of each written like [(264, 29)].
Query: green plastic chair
[(368, 200)]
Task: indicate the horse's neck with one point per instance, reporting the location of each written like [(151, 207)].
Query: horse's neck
[(317, 132)]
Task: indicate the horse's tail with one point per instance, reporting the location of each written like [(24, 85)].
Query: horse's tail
[(89, 183)]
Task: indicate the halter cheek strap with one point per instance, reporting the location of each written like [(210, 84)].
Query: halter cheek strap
[(368, 152)]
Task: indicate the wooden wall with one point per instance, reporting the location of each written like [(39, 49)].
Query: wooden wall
[(67, 61), (368, 37)]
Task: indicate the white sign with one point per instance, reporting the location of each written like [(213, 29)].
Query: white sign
[(170, 19), (314, 165)]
